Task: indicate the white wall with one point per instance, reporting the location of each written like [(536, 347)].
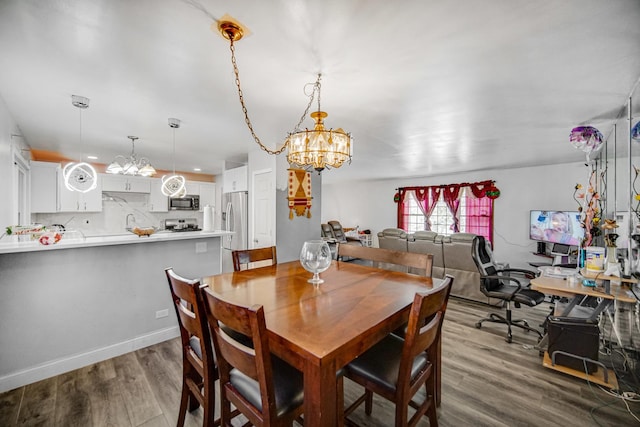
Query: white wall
[(370, 205), (8, 145)]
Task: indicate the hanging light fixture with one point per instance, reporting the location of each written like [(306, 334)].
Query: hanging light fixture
[(131, 165), (174, 185), (81, 176), (317, 148)]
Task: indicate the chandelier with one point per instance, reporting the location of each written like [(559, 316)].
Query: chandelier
[(81, 176), (131, 165), (174, 185), (317, 148)]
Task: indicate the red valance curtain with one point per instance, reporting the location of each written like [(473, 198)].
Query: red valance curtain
[(428, 196)]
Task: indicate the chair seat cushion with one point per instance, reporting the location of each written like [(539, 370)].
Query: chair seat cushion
[(287, 382), (529, 297), (194, 342), (524, 296), (381, 363)]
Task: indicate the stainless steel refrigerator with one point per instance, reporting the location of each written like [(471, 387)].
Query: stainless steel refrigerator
[(235, 219)]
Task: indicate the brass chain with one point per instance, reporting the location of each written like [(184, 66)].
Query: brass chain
[(316, 87)]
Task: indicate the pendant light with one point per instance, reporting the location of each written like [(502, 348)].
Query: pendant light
[(131, 165), (81, 176), (317, 148), (174, 185)]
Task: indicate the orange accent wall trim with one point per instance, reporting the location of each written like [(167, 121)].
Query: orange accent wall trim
[(55, 157)]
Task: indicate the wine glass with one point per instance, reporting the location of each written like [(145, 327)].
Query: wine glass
[(315, 257)]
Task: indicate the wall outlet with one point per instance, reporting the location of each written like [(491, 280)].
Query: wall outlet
[(162, 313), (201, 247)]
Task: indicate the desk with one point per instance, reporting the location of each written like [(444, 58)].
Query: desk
[(573, 288), (319, 330)]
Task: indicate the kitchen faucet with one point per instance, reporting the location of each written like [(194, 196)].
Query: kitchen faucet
[(127, 220)]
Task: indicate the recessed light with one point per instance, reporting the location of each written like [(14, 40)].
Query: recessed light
[(92, 157), (197, 169)]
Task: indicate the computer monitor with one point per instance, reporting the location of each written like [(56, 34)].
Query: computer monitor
[(562, 227)]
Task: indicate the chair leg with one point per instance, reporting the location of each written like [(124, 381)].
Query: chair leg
[(509, 321), (368, 403)]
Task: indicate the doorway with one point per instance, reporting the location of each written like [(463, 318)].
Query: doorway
[(263, 209)]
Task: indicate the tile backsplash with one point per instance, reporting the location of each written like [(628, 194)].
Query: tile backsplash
[(112, 219)]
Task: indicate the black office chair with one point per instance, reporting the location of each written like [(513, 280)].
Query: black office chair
[(501, 284)]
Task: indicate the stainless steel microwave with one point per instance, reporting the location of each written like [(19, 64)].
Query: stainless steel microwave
[(189, 202)]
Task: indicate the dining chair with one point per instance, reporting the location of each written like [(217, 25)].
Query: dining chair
[(244, 257), (397, 368), (264, 388), (199, 372), (415, 262)]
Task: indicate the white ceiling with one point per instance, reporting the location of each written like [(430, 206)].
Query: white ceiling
[(425, 87)]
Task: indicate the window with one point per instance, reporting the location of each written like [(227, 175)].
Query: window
[(475, 215)]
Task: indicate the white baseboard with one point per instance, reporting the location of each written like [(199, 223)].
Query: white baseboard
[(66, 364)]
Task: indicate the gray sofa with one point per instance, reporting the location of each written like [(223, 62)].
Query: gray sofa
[(451, 255)]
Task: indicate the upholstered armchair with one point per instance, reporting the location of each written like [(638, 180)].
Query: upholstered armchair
[(340, 236)]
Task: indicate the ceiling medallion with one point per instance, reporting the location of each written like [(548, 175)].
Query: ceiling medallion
[(81, 176), (317, 148)]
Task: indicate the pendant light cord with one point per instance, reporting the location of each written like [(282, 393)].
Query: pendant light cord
[(174, 151), (316, 87)]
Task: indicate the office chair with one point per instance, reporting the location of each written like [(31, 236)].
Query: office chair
[(500, 284)]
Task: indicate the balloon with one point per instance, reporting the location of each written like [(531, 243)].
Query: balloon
[(587, 139)]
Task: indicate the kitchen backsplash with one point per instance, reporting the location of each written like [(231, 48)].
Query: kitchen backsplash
[(113, 218)]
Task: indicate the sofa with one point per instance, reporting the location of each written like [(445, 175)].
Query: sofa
[(451, 255)]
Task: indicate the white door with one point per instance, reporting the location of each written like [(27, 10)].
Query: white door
[(263, 209)]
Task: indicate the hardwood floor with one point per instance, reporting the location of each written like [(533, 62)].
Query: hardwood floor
[(486, 382)]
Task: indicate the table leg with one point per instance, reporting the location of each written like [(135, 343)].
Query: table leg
[(438, 371), (319, 395)]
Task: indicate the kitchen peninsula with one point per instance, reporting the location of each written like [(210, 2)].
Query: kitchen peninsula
[(83, 300)]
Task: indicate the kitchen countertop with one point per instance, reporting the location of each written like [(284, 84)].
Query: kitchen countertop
[(9, 245)]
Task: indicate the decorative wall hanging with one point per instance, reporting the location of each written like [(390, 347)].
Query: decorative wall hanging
[(299, 195)]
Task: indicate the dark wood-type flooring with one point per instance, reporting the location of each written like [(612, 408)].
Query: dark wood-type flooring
[(486, 382)]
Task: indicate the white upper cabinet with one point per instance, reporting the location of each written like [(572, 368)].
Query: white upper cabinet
[(74, 201), (125, 184), (44, 186), (158, 202), (235, 179), (49, 194), (207, 194)]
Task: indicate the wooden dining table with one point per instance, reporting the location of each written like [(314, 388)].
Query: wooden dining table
[(320, 329)]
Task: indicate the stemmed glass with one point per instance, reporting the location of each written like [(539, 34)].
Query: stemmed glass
[(315, 257)]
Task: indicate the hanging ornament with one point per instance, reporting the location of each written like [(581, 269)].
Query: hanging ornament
[(492, 192)]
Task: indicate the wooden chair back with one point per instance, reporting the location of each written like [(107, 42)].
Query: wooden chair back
[(255, 363), (242, 258), (199, 372), (423, 332), (418, 263)]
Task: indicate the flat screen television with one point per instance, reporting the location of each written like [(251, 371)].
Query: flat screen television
[(560, 227)]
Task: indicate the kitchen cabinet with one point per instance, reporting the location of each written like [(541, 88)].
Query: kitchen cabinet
[(125, 184), (158, 202), (235, 179), (207, 194), (44, 186), (73, 201), (193, 188)]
